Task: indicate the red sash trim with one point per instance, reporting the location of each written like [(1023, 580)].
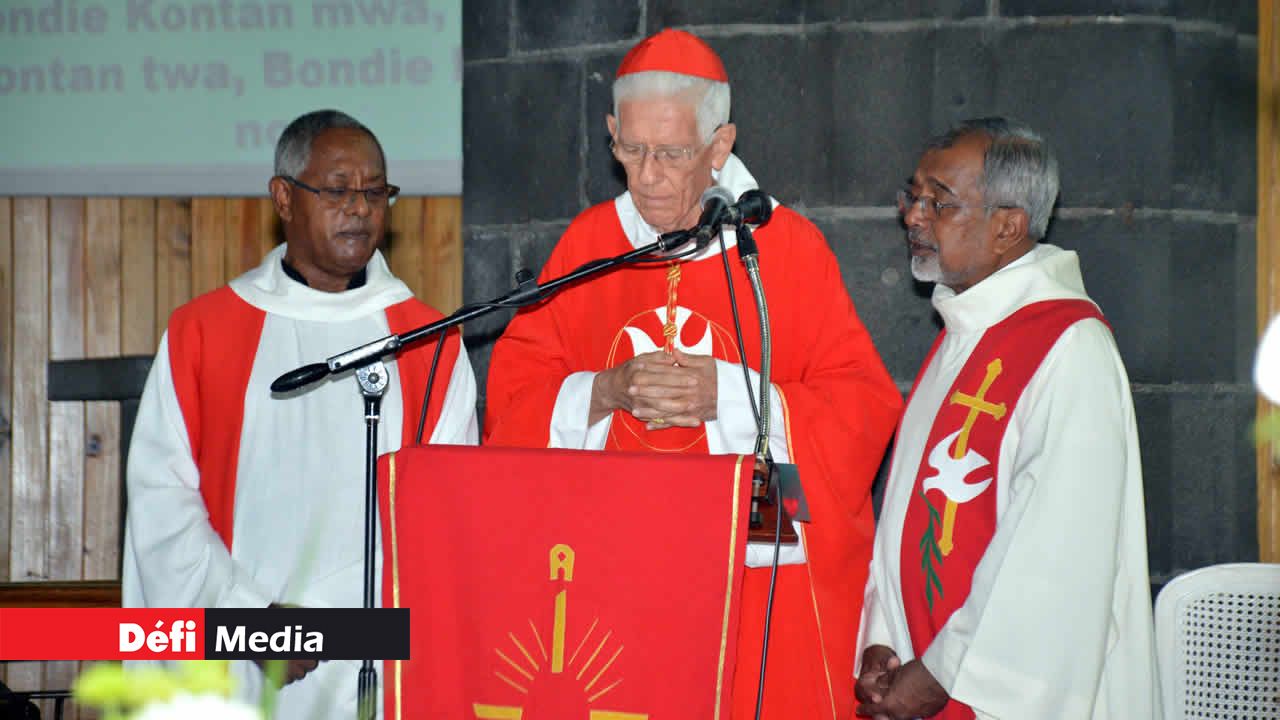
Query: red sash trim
[(951, 515), (212, 344), (414, 365), (213, 341)]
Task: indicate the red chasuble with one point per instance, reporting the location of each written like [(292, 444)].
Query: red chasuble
[(840, 406), (952, 514)]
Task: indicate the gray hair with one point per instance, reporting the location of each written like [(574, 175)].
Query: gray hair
[(710, 98), (1018, 170), (293, 150)]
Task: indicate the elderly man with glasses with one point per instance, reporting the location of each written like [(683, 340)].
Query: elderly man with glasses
[(241, 499), (1010, 571), (646, 359)]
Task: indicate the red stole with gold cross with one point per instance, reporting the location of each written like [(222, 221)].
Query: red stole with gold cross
[(951, 515)]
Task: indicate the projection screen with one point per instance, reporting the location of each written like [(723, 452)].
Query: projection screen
[(171, 98)]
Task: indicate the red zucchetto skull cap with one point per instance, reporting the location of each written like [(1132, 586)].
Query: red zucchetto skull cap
[(674, 51)]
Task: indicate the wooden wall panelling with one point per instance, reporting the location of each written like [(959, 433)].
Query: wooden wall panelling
[(404, 253), (426, 249), (66, 419), (6, 377), (102, 419), (208, 240), (237, 212), (138, 276), (29, 507), (248, 235), (29, 500), (173, 258), (1268, 244), (442, 252), (269, 233)]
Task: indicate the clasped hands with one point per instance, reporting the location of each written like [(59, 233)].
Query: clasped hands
[(663, 390), (887, 689)]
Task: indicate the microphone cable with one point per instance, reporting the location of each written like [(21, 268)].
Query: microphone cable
[(737, 328), (431, 379), (655, 259), (768, 613)]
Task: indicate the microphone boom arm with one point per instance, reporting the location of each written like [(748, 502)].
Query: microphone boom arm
[(527, 292)]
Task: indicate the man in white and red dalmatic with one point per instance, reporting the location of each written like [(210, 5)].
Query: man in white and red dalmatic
[(1009, 578), (646, 359), (239, 498)]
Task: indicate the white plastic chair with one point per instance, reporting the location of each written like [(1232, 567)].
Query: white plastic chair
[(1218, 643)]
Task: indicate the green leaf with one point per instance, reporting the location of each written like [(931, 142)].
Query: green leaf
[(1267, 429)]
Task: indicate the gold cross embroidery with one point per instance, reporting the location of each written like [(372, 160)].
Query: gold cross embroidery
[(978, 405)]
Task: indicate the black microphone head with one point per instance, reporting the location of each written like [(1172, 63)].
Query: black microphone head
[(716, 206), (716, 194), (715, 201), (299, 377), (755, 206)]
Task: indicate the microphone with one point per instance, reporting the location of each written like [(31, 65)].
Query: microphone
[(716, 204), (718, 209), (299, 377), (753, 208)]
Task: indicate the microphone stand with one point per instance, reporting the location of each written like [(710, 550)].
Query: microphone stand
[(750, 257), (372, 379), (371, 375), (763, 475)]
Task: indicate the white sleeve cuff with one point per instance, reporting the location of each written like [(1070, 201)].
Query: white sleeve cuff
[(457, 424), (873, 629), (734, 429), (760, 554), (571, 413), (734, 432), (942, 659)]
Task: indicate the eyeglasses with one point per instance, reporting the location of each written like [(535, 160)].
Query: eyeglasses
[(931, 208), (339, 197), (667, 156)]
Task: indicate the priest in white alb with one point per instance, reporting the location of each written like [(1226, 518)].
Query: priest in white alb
[(1009, 574), (241, 498)]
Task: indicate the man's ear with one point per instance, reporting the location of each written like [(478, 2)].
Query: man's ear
[(281, 198), (611, 122), (722, 144), (1011, 226)]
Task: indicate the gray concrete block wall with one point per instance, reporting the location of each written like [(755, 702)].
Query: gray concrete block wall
[(1149, 103)]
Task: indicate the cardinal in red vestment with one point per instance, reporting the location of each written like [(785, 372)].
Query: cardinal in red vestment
[(647, 358)]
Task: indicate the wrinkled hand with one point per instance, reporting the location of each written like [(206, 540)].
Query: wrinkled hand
[(675, 390), (294, 670), (873, 684), (912, 693)]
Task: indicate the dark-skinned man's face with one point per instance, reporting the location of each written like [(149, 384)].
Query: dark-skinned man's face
[(330, 242), (955, 247)]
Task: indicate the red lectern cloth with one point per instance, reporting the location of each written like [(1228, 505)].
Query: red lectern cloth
[(561, 584)]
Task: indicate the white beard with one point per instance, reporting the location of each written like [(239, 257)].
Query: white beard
[(926, 268)]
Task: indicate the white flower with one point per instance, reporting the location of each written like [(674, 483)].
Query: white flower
[(199, 707)]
